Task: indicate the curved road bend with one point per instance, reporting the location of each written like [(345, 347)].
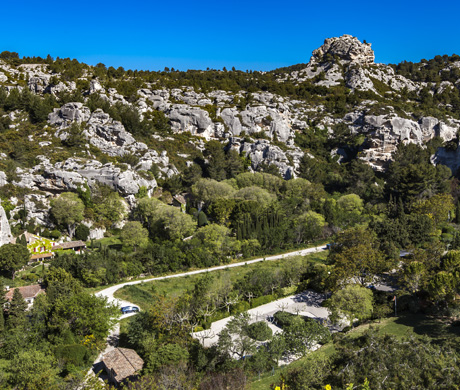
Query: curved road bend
[(112, 340), (108, 292)]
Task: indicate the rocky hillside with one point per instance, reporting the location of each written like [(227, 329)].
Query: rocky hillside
[(66, 125)]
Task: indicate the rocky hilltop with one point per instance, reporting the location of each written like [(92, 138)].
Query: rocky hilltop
[(129, 130)]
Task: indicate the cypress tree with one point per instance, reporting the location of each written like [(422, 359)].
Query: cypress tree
[(17, 310), (2, 294), (202, 219), (456, 241), (238, 233)]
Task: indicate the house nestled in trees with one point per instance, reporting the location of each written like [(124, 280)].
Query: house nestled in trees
[(122, 364), (29, 293), (41, 257), (76, 246), (179, 201)]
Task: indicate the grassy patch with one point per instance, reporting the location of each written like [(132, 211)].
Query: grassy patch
[(111, 242), (268, 378)]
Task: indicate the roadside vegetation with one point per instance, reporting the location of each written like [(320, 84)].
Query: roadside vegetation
[(232, 290)]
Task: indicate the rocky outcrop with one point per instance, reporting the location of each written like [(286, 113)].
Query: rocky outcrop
[(73, 173), (38, 83), (263, 152), (110, 136), (95, 87), (68, 113), (385, 132), (161, 161), (194, 120), (224, 115), (5, 231), (356, 78), (100, 130), (231, 119), (346, 48)]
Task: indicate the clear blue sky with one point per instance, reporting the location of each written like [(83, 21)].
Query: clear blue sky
[(260, 35)]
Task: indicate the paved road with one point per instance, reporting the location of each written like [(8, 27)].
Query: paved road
[(110, 291)]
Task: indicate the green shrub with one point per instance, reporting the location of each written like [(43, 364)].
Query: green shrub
[(283, 318), (259, 331), (241, 307), (30, 277), (262, 300), (55, 234), (82, 232), (75, 354)]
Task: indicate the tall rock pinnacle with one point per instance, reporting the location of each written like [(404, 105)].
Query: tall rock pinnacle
[(347, 48)]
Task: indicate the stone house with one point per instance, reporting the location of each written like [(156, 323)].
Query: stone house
[(122, 364), (76, 246)]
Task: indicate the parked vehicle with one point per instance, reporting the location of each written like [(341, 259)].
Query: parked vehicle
[(129, 309)]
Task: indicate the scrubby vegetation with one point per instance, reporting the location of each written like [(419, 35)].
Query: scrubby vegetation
[(398, 227)]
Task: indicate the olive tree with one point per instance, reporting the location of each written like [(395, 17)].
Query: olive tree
[(68, 210), (352, 301), (133, 234)]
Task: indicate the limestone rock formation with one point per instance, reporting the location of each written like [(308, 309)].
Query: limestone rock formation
[(73, 173), (5, 231), (346, 48), (195, 120), (385, 132), (262, 151), (68, 113)]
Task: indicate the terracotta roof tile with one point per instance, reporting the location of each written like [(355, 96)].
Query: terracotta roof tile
[(26, 291), (124, 362), (70, 245), (41, 256)]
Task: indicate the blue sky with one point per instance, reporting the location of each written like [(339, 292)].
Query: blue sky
[(260, 35)]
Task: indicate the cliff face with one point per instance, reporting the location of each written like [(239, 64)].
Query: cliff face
[(5, 231), (340, 86)]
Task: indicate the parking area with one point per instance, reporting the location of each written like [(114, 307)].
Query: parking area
[(306, 304)]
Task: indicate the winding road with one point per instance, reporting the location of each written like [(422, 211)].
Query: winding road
[(109, 292)]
